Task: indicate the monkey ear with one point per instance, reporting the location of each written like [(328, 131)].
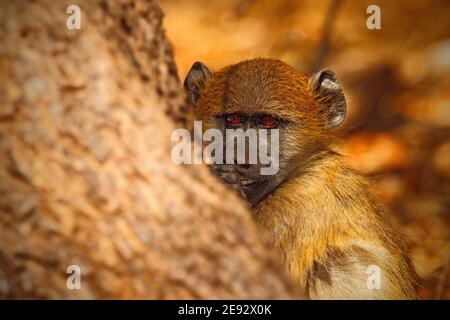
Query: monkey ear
[(195, 80), (328, 91)]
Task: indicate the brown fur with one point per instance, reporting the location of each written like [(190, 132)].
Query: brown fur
[(322, 217)]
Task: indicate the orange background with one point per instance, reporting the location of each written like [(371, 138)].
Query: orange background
[(396, 82)]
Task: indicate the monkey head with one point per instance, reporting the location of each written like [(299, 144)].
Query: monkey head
[(271, 95)]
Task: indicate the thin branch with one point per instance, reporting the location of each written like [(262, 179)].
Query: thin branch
[(324, 43)]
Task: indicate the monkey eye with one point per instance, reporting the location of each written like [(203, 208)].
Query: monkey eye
[(267, 122), (233, 119)]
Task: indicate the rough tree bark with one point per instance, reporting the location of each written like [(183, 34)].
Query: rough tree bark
[(85, 171)]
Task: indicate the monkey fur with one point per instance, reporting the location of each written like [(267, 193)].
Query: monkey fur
[(318, 213)]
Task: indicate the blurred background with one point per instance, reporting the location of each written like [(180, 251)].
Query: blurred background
[(396, 81)]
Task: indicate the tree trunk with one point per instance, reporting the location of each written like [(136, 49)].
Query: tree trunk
[(86, 177)]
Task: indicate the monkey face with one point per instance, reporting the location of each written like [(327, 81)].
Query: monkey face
[(274, 110), (252, 147)]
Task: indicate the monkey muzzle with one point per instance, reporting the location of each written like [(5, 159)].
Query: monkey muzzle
[(254, 186)]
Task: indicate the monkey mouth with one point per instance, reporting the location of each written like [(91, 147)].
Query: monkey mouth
[(248, 183), (254, 190)]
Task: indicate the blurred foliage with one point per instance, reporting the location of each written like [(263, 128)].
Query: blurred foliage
[(396, 81)]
